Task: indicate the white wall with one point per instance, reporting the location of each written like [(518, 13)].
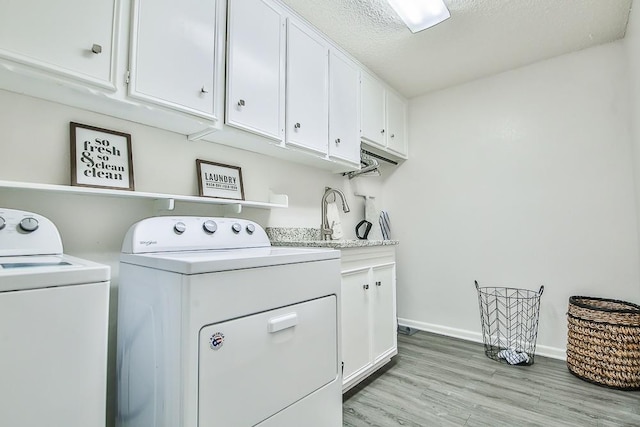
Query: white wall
[(521, 179), (34, 147), (632, 45)]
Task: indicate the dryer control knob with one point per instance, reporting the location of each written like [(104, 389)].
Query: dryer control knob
[(251, 228), (179, 227), (2, 223), (29, 224), (209, 226), (236, 228)]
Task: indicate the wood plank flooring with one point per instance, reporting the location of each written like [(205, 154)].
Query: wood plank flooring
[(441, 381)]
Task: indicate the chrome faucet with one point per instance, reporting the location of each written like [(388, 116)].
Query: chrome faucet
[(325, 227)]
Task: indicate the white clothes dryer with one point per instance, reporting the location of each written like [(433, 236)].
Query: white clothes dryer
[(53, 328), (216, 328)]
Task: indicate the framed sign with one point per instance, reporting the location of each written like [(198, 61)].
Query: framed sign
[(218, 180), (100, 158)]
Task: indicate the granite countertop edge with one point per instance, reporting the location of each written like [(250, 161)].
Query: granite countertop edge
[(336, 244)]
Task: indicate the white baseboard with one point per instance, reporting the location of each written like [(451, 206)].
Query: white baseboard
[(541, 350)]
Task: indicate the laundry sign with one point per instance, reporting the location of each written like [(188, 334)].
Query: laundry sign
[(100, 158), (219, 180)]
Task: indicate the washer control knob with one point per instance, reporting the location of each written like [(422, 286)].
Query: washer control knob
[(2, 223), (236, 228), (251, 228), (29, 224), (209, 226), (179, 227)]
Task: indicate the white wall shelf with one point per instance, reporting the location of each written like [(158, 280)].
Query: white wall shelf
[(163, 201)]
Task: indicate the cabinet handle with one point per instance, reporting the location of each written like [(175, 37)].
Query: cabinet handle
[(96, 48), (365, 286), (241, 103), (378, 283), (382, 131), (204, 90), (393, 135), (296, 126), (338, 141)]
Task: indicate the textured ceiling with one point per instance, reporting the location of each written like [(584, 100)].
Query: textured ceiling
[(481, 38)]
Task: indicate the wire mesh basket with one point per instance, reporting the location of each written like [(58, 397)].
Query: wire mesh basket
[(509, 318)]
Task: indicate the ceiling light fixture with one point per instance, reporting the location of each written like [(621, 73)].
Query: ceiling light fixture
[(420, 14)]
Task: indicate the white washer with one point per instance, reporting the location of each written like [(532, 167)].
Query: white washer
[(216, 328), (53, 328)]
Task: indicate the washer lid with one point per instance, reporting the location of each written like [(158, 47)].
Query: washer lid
[(35, 271), (197, 262)]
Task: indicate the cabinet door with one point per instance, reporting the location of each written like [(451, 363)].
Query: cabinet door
[(356, 343), (74, 39), (255, 68), (173, 54), (383, 308), (307, 90), (372, 103), (344, 109), (396, 124)]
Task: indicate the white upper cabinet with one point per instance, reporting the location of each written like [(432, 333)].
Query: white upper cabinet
[(384, 117), (373, 124), (396, 124), (307, 116), (251, 74), (256, 67), (173, 54), (344, 109), (74, 38)]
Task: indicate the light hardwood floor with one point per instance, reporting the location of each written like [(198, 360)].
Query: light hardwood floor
[(441, 381)]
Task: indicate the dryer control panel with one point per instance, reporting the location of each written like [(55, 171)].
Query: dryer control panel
[(191, 233)]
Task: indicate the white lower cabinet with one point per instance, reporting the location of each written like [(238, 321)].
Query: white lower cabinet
[(369, 322), (356, 337)]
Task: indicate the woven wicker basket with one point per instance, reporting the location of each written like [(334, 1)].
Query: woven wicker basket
[(603, 345)]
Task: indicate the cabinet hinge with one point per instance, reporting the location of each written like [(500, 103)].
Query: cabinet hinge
[(127, 77)]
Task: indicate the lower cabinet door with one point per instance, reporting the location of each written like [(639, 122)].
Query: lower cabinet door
[(383, 307), (356, 333)]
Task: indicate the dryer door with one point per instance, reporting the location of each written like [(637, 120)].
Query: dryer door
[(252, 367)]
